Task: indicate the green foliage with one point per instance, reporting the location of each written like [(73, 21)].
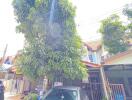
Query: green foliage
[(104, 98), (128, 12), (114, 34), (51, 50), (31, 96)]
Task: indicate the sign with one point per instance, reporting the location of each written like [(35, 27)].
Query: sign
[(58, 84)]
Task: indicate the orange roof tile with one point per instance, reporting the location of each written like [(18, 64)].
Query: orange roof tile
[(94, 45), (89, 64)]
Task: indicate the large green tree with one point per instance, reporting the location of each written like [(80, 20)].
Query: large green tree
[(114, 34), (127, 11), (51, 49)]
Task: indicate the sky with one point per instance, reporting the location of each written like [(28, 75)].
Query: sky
[(7, 30), (89, 14)]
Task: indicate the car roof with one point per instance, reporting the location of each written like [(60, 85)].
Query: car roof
[(67, 87)]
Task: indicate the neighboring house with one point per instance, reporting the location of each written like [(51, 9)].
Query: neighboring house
[(14, 81), (6, 66), (118, 70), (95, 51)]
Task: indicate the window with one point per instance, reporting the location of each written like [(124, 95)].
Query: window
[(62, 94), (91, 58)]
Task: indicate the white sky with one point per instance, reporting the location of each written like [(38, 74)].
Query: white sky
[(89, 13), (7, 29)]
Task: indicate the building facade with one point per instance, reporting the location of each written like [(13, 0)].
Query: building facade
[(94, 51)]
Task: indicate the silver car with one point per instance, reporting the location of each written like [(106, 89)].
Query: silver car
[(66, 93)]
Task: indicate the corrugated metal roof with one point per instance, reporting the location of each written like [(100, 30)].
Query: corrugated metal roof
[(5, 67)]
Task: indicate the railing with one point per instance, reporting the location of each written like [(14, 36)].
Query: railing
[(95, 91), (117, 92)]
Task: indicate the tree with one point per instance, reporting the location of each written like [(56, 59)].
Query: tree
[(127, 11), (53, 49), (114, 34)]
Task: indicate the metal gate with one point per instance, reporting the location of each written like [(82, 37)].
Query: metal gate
[(95, 91), (117, 92)]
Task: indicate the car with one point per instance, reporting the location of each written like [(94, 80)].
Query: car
[(66, 93)]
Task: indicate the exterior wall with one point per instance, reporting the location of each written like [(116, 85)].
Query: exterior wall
[(98, 56), (125, 60), (121, 58)]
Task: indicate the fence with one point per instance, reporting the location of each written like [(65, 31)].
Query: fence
[(16, 86), (117, 92), (95, 91)]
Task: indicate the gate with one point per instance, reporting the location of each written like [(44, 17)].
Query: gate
[(117, 92), (95, 91)]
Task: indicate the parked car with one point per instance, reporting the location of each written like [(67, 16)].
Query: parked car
[(66, 93)]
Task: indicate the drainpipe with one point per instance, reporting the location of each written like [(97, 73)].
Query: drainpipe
[(104, 82)]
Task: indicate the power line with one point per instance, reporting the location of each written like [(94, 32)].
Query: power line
[(117, 11)]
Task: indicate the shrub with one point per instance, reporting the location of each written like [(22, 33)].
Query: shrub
[(31, 96)]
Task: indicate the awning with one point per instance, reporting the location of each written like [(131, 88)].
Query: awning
[(5, 67), (92, 65)]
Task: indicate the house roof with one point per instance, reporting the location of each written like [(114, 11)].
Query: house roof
[(6, 64), (5, 67), (92, 65), (7, 59), (94, 45), (120, 58)]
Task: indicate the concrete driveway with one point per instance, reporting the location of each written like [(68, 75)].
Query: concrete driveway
[(9, 96)]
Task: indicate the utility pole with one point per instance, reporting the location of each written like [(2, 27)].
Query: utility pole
[(104, 82), (4, 53)]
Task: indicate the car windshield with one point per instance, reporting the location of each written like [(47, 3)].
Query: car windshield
[(62, 94)]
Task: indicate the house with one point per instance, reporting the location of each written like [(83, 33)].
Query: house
[(94, 86), (6, 66), (118, 70), (13, 80), (95, 51)]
